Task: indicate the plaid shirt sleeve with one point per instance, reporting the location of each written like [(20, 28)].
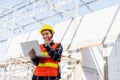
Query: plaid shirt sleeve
[(36, 60), (55, 54)]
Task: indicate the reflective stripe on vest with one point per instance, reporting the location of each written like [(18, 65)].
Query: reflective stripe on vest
[(45, 53), (47, 66)]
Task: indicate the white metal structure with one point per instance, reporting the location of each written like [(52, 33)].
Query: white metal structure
[(17, 17), (90, 38)]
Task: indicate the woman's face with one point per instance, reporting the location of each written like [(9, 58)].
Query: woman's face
[(46, 34)]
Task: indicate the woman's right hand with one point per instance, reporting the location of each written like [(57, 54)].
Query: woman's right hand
[(32, 54)]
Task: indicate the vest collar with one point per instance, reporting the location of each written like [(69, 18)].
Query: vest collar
[(50, 43)]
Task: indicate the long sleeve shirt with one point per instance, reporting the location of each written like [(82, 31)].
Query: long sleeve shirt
[(55, 55)]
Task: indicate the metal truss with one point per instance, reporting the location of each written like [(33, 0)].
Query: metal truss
[(25, 15), (14, 18)]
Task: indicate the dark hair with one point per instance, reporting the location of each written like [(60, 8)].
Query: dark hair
[(49, 31)]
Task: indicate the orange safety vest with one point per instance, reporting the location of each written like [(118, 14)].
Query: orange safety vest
[(47, 66)]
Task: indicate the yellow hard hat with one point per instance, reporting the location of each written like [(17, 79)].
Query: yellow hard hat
[(46, 27)]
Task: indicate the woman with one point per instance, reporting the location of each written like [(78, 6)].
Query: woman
[(47, 67)]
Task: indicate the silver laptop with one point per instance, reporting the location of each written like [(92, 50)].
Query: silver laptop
[(27, 46)]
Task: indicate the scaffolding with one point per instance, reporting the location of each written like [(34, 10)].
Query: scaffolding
[(91, 41)]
